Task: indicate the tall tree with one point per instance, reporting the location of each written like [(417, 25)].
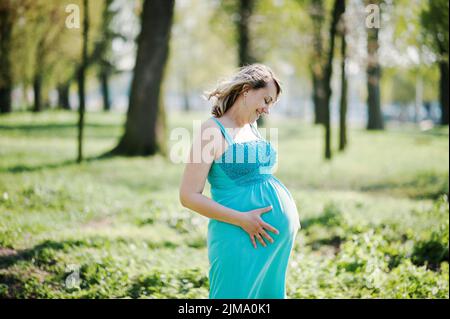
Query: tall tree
[(102, 53), (375, 116), (7, 17), (48, 29), (317, 13), (246, 8), (245, 53), (105, 45), (435, 25), (343, 99), (146, 124), (15, 45), (81, 79), (338, 11), (63, 95)]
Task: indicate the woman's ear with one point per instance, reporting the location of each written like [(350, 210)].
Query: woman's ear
[(245, 88)]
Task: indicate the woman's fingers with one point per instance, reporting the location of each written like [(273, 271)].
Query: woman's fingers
[(272, 229), (261, 240), (260, 231), (252, 237), (266, 235), (265, 209)]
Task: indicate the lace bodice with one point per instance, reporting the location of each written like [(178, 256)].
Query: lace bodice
[(243, 163)]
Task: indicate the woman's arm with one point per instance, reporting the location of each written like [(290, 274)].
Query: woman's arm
[(195, 174), (193, 183)]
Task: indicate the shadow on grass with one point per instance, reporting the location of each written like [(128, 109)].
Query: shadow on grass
[(27, 168), (425, 185), (331, 216), (45, 253), (41, 253), (48, 127)]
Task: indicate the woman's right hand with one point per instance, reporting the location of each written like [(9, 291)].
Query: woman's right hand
[(253, 224)]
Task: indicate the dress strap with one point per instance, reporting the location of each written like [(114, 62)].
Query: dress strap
[(255, 130), (224, 132)]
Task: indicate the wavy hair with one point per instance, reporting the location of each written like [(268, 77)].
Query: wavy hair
[(227, 91)]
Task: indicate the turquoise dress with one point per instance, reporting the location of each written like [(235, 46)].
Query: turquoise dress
[(242, 179)]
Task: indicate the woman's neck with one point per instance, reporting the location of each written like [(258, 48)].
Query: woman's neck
[(235, 119)]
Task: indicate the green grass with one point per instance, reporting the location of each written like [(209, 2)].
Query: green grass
[(374, 219)]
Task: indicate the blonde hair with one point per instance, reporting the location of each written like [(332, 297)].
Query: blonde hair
[(227, 91)]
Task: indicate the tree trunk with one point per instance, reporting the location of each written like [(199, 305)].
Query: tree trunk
[(338, 10), (6, 81), (317, 13), (63, 95), (145, 125), (318, 98), (243, 27), (81, 80), (5, 98), (244, 38), (443, 92), (375, 116), (419, 98), (103, 77), (37, 89), (186, 103), (343, 100)]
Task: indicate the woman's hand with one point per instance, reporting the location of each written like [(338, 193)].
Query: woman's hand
[(252, 223)]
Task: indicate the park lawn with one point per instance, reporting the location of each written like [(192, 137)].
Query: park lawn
[(374, 219)]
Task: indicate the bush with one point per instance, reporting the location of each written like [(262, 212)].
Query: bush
[(432, 249)]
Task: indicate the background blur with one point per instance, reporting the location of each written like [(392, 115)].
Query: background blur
[(91, 93)]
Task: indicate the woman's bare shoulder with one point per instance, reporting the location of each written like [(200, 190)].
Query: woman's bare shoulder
[(211, 133), (209, 129), (210, 122)]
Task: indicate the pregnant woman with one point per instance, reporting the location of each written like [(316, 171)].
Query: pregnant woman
[(253, 219)]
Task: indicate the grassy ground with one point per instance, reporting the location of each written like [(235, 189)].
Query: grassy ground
[(374, 220)]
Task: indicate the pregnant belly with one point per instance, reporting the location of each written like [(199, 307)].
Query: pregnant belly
[(283, 216), (285, 212)]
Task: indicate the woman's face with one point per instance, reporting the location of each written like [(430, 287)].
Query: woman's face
[(259, 101)]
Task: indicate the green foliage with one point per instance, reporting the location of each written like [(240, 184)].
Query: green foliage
[(409, 281), (435, 27), (399, 84), (432, 249), (187, 283), (103, 278)]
